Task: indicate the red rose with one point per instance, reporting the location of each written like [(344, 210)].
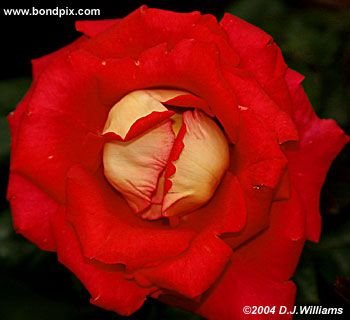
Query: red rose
[(172, 156)]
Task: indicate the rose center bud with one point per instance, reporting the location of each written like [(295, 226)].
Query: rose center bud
[(164, 163)]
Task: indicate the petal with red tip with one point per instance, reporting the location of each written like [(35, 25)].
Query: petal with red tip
[(137, 105), (200, 166), (134, 167)]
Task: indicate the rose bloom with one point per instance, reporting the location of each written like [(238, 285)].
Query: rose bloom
[(167, 155)]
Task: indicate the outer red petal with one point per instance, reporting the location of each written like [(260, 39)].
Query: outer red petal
[(94, 27), (193, 271), (279, 247), (56, 110), (259, 165), (40, 64), (251, 95), (32, 211), (320, 142), (107, 284), (131, 36), (32, 207), (239, 288), (14, 118), (261, 56), (51, 151)]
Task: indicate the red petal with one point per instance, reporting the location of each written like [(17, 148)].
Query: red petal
[(51, 152), (14, 118), (193, 271), (91, 153), (190, 101), (32, 211), (251, 95), (207, 29), (259, 164), (173, 156), (283, 189), (236, 290), (146, 123), (239, 288), (107, 285), (225, 213), (110, 232), (55, 109), (94, 27), (40, 64), (320, 142), (281, 244), (260, 55), (131, 35)]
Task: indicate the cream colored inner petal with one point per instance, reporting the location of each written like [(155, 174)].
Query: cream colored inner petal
[(154, 211), (200, 167), (166, 95), (128, 110), (177, 122), (133, 167), (136, 167)]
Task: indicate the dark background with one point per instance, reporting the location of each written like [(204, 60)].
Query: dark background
[(314, 37)]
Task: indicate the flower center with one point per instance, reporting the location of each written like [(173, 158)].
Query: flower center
[(164, 163)]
